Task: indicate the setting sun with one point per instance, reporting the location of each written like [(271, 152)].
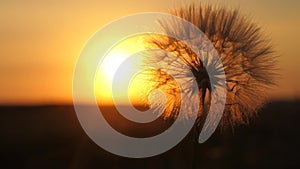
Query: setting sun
[(112, 62), (106, 72)]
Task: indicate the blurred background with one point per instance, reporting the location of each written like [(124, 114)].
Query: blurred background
[(39, 44)]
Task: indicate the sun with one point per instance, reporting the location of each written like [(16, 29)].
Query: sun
[(106, 72), (112, 62)]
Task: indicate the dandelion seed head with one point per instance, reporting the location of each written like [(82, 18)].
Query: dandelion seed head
[(246, 55)]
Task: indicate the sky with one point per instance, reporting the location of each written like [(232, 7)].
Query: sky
[(40, 42)]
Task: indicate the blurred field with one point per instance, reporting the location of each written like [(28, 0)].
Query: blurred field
[(50, 137)]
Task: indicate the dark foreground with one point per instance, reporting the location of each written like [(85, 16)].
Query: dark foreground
[(51, 137)]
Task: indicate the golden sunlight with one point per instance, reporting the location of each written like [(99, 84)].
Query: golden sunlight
[(108, 68), (112, 62)]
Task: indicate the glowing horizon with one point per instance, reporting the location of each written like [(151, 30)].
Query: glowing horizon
[(40, 42)]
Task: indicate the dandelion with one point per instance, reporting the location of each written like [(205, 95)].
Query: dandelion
[(247, 58)]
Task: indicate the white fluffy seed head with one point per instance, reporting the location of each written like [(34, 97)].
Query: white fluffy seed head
[(247, 57)]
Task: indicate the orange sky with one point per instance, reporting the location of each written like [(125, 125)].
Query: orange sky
[(41, 40)]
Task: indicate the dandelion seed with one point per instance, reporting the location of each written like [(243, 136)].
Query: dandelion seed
[(247, 58)]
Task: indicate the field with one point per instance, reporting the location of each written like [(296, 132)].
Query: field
[(50, 137)]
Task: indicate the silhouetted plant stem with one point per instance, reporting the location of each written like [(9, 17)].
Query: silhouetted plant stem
[(247, 57), (195, 147)]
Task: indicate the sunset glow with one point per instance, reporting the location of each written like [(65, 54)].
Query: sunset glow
[(41, 40), (113, 60)]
